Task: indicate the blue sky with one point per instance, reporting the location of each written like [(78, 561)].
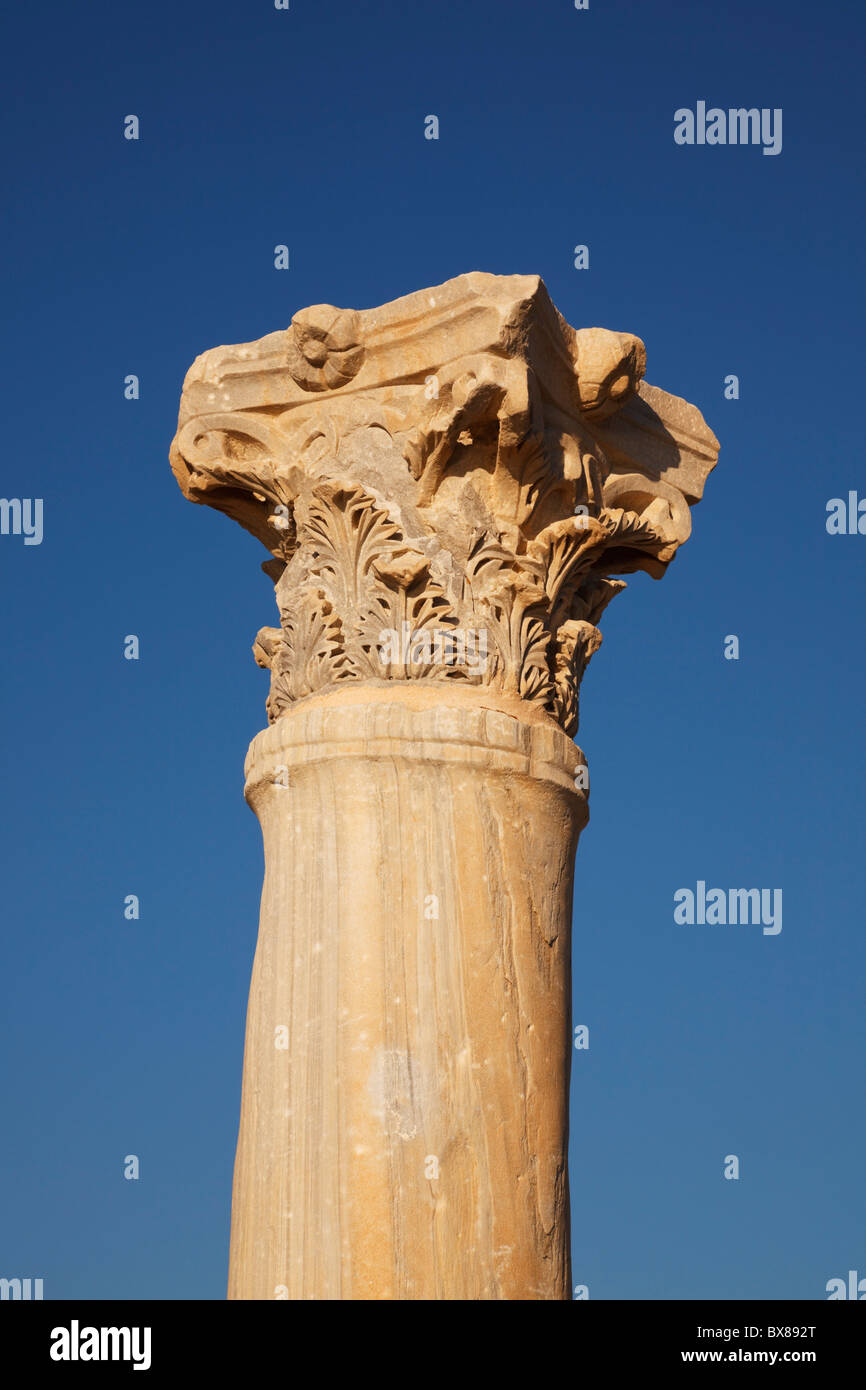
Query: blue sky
[(305, 127)]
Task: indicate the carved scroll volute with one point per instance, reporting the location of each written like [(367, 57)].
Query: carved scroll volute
[(447, 486), (610, 367)]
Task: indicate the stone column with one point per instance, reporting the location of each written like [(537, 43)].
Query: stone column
[(447, 487)]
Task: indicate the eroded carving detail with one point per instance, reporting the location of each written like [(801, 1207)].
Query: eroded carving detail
[(456, 508), (324, 349)]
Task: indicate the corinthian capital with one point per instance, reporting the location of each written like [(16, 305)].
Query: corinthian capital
[(448, 486)]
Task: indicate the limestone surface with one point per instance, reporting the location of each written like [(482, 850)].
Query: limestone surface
[(449, 488), (458, 460)]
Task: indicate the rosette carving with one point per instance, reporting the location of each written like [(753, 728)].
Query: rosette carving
[(324, 347)]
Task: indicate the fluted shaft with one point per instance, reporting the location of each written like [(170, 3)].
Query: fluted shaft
[(404, 1119)]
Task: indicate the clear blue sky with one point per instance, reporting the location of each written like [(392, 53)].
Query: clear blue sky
[(305, 127)]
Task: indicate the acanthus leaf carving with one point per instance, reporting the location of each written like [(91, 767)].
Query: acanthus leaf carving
[(448, 486), (576, 641)]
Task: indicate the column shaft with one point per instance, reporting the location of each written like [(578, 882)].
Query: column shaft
[(404, 1119)]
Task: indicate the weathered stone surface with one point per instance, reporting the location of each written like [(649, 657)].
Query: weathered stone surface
[(460, 461), (448, 487), (409, 1140)]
